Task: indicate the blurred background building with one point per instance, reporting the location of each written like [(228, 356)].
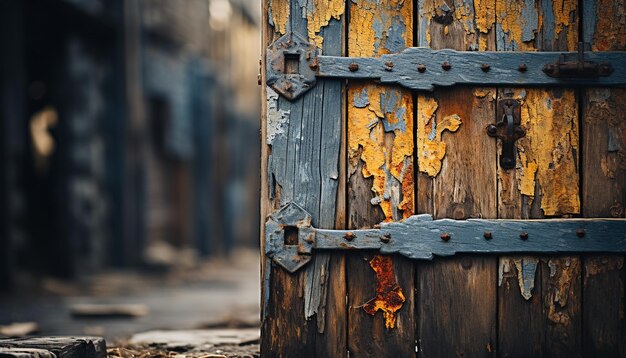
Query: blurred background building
[(130, 132)]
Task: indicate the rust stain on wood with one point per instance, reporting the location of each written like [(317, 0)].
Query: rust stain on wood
[(380, 126), (389, 296), (609, 29), (279, 15), (318, 15), (431, 148)]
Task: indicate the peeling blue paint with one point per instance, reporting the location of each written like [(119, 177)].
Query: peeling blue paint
[(531, 20), (527, 283), (395, 35), (389, 103), (361, 100)]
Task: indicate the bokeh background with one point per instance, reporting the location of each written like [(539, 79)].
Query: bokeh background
[(129, 144)]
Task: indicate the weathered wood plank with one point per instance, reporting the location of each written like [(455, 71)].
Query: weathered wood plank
[(539, 300), (380, 183), (456, 299), (604, 186), (300, 161)]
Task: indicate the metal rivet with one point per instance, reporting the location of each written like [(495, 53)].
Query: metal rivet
[(421, 68), (580, 232), (446, 66), (349, 236), (522, 67), (485, 67), (388, 66), (445, 236), (523, 236), (385, 238), (492, 130), (487, 235), (353, 67)]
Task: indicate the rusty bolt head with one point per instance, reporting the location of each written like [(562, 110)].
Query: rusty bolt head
[(388, 65), (523, 235), (421, 68), (549, 68), (522, 67), (385, 238), (487, 235), (485, 67), (492, 130), (446, 66), (349, 236), (353, 67), (580, 232), (445, 236)]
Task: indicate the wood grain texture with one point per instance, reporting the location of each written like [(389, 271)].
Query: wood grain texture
[(456, 298), (546, 320), (604, 185), (380, 173), (300, 162)]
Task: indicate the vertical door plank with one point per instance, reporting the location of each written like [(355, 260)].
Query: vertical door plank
[(539, 300), (604, 185), (380, 170), (300, 162), (456, 298)]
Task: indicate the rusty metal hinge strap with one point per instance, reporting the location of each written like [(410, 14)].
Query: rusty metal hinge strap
[(422, 69), (420, 237)]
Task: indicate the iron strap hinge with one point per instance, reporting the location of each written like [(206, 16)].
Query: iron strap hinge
[(290, 240), (293, 66)]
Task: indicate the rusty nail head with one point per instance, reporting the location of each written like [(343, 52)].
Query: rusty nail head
[(485, 67), (523, 235), (446, 66), (385, 238), (388, 65), (421, 68), (492, 129), (522, 67), (580, 232), (353, 67), (487, 235), (349, 236), (445, 236)]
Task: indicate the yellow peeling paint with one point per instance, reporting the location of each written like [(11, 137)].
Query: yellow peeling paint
[(430, 147), (511, 19), (485, 15), (386, 156), (548, 152), (323, 11), (280, 15), (564, 18), (609, 31)]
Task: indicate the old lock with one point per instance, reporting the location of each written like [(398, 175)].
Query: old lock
[(508, 130)]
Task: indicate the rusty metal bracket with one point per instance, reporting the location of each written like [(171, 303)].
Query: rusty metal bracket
[(508, 130), (578, 68), (423, 69), (290, 240)]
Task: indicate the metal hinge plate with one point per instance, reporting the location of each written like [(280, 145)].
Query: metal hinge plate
[(290, 240), (293, 66)]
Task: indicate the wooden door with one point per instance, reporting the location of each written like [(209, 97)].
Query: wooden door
[(356, 153)]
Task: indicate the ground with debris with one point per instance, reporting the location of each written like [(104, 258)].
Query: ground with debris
[(192, 303)]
